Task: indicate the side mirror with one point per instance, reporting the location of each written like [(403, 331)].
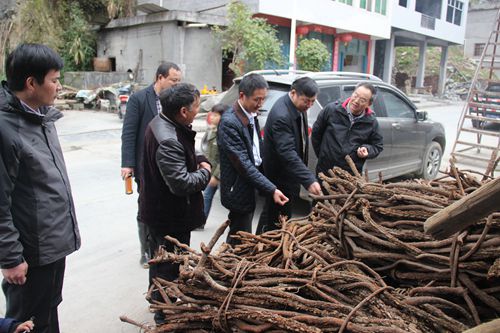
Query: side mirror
[(422, 115)]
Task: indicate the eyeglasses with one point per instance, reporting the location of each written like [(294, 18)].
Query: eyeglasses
[(362, 100)]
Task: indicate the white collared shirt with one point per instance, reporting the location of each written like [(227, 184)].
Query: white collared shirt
[(256, 143)]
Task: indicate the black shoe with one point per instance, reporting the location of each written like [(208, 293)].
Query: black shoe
[(159, 318)]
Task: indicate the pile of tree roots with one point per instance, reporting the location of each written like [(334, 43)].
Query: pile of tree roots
[(360, 262)]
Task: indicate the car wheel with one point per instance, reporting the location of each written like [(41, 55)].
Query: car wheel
[(432, 161)]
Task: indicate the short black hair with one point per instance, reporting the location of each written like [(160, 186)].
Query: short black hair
[(219, 108), (175, 98), (368, 86), (251, 82), (305, 86), (29, 59), (164, 69)]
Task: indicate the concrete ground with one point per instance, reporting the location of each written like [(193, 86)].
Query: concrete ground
[(104, 279)]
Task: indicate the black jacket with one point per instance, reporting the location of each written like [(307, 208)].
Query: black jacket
[(239, 177), (141, 109), (334, 137), (37, 214), (170, 194), (284, 157)]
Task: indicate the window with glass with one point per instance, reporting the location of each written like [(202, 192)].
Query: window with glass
[(347, 2), (478, 49), (454, 12), (395, 107), (403, 3), (381, 6)]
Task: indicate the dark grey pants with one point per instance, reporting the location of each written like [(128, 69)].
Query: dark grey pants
[(38, 297)]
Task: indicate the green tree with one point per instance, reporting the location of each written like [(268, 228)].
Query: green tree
[(312, 55), (251, 41), (79, 41)]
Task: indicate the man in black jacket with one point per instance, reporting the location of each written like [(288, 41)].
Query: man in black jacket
[(348, 128), (239, 141), (38, 226), (142, 107), (286, 148), (173, 177)]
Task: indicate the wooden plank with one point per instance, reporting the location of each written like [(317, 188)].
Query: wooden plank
[(489, 327), (480, 131), (493, 107), (466, 211)]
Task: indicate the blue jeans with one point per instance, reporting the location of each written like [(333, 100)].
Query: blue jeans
[(208, 196)]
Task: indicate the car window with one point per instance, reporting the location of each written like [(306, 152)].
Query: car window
[(395, 107), (328, 94), (494, 88), (271, 98)]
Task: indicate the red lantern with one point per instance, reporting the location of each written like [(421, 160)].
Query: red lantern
[(302, 30), (318, 29), (347, 38)]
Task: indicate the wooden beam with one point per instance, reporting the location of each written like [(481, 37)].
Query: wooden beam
[(466, 211)]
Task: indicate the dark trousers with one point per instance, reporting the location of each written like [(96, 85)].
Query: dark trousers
[(165, 270), (269, 218), (239, 222), (38, 297), (141, 227)]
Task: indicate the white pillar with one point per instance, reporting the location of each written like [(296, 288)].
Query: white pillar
[(293, 38), (421, 64), (372, 55), (388, 59), (442, 70)]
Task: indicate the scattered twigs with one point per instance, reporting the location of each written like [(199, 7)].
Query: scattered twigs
[(360, 262)]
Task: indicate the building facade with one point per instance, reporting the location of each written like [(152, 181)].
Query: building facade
[(480, 24), (361, 35)]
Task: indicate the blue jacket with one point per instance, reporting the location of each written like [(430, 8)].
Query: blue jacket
[(239, 177), (8, 325)]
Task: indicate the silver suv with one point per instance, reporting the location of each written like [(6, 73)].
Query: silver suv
[(413, 144)]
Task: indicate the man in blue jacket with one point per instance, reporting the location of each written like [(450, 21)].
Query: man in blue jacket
[(286, 149), (239, 144), (38, 227)]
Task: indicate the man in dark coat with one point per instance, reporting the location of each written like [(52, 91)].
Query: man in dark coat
[(173, 177), (142, 107), (286, 148), (348, 128), (38, 226), (239, 144)]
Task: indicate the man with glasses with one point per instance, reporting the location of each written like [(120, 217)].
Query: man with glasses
[(286, 148), (347, 128), (239, 153)]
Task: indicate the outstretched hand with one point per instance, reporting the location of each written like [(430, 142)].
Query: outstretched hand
[(315, 188), (279, 197)]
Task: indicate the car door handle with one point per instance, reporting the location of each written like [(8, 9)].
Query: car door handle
[(396, 125)]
